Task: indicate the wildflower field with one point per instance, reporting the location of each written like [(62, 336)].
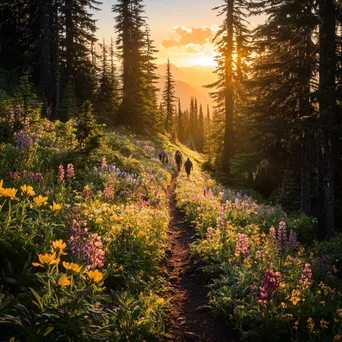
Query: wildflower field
[(82, 233), (267, 278)]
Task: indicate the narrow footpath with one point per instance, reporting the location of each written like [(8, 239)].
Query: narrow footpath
[(191, 318)]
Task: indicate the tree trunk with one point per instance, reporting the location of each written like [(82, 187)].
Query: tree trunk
[(45, 50), (229, 101), (69, 38), (307, 161), (327, 116), (306, 174)]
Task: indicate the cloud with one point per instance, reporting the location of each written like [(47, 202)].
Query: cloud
[(193, 39)]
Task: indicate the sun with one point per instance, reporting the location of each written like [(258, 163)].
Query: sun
[(200, 60)]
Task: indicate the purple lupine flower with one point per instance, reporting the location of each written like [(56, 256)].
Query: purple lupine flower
[(282, 236), (22, 141), (87, 248)]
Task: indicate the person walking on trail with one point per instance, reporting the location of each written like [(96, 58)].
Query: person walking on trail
[(188, 166), (163, 157), (179, 159)]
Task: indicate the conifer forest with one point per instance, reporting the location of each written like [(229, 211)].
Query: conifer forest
[(170, 170)]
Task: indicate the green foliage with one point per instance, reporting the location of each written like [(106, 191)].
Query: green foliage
[(304, 226), (88, 131)]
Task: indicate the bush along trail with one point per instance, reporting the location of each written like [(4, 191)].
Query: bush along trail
[(263, 280)]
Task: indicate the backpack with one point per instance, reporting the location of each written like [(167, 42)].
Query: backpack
[(188, 164), (178, 155)]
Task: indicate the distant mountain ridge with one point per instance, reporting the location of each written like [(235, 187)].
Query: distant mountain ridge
[(189, 83)]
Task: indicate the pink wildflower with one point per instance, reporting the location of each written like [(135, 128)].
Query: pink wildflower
[(273, 233), (306, 276), (269, 286), (70, 172), (61, 174), (109, 192), (241, 245)]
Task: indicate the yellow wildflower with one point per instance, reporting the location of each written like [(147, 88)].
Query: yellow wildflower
[(46, 259), (141, 233), (95, 276), (59, 246), (339, 313), (56, 206), (160, 301), (27, 190), (310, 326), (72, 266), (337, 338), (283, 305), (8, 192), (63, 280), (324, 324), (295, 297), (295, 326), (40, 200)]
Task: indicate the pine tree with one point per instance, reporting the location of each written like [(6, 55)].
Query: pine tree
[(275, 125), (180, 123), (151, 116), (169, 99), (233, 27), (208, 145), (201, 130), (106, 98), (130, 43), (76, 39)]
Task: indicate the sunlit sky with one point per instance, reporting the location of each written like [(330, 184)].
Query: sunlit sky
[(182, 29)]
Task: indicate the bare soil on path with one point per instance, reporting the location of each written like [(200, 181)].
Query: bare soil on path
[(191, 318)]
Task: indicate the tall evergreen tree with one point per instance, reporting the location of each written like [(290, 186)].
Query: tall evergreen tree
[(151, 118), (200, 130), (130, 42), (234, 26), (276, 125), (208, 145), (78, 29), (180, 123), (106, 98), (169, 100)]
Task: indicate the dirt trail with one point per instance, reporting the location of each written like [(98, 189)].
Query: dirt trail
[(192, 320)]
